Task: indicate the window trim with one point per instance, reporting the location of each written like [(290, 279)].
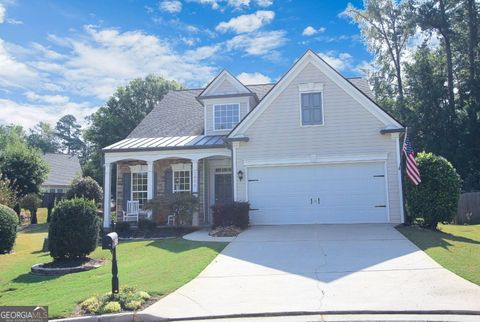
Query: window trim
[(213, 116), (310, 88), (182, 167)]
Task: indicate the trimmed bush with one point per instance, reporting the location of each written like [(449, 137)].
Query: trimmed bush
[(146, 224), (234, 213), (435, 199), (122, 227), (111, 307), (85, 187), (31, 202), (74, 229), (8, 228), (182, 205), (127, 299)]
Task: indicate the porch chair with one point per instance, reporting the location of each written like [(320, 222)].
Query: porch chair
[(171, 220), (133, 210)]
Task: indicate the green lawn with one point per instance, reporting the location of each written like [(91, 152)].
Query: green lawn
[(455, 247), (158, 267)]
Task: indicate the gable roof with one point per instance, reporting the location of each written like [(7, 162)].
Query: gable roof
[(224, 75), (63, 169), (180, 114), (348, 86)]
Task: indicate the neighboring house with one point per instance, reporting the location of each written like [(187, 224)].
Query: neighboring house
[(63, 168), (312, 148)]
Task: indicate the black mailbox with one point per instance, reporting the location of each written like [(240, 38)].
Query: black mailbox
[(110, 241)]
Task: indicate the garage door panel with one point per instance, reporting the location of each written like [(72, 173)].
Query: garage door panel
[(339, 193)]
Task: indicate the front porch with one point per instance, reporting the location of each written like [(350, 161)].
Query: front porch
[(144, 175)]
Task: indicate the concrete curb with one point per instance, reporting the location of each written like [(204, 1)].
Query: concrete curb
[(137, 317)]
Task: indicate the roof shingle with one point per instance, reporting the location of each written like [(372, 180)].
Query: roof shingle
[(180, 114), (63, 169)]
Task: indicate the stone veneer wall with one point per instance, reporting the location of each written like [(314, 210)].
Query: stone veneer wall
[(159, 167)]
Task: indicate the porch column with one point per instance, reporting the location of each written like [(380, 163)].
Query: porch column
[(195, 176), (107, 196), (195, 220), (150, 182)]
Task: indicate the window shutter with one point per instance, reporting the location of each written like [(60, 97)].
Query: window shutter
[(154, 184), (168, 179), (127, 189)]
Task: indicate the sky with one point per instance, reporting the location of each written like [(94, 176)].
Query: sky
[(68, 57)]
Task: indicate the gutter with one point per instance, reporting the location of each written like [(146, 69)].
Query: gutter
[(397, 130)]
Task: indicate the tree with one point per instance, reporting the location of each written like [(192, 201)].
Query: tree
[(24, 167), (86, 188), (69, 132), (43, 137), (386, 26), (11, 135), (437, 15), (123, 111)]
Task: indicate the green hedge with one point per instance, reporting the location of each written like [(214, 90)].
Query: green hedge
[(74, 229), (435, 199), (8, 228)]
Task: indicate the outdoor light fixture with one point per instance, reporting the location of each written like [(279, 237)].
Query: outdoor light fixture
[(240, 175)]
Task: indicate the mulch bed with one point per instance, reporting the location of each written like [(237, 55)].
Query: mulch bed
[(159, 232), (229, 231), (66, 266)]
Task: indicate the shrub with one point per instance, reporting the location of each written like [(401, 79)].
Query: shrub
[(85, 187), (146, 224), (122, 227), (128, 298), (182, 205), (91, 305), (110, 307), (435, 199), (31, 202), (233, 213), (8, 197), (8, 228), (74, 229)]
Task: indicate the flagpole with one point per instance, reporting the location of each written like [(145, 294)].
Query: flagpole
[(402, 175)]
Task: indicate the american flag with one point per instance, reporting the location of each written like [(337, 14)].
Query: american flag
[(412, 170)]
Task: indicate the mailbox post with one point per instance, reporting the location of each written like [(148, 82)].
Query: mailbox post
[(110, 241)]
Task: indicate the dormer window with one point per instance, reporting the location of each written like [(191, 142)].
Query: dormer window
[(226, 116)]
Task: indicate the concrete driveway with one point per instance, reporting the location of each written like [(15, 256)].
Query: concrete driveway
[(319, 268)]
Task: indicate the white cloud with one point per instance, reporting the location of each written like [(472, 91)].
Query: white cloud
[(253, 78), (339, 61), (14, 73), (213, 3), (257, 44), (201, 53), (247, 23), (28, 115), (2, 13), (50, 99), (103, 59), (238, 3), (310, 31), (264, 3), (172, 6)]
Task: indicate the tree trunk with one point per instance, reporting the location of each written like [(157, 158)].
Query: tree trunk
[(473, 38)]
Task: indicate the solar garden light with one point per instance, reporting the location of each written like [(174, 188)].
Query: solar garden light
[(110, 241)]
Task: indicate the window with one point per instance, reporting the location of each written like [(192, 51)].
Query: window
[(226, 116), (139, 187), (52, 190), (181, 177), (60, 190), (312, 113)]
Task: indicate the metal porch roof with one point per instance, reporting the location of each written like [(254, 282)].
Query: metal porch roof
[(167, 143)]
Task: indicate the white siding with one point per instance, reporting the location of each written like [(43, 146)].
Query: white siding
[(225, 87), (209, 103), (348, 130)]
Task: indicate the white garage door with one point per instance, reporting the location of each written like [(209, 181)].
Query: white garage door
[(309, 194)]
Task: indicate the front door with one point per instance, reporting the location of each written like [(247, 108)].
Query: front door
[(223, 187)]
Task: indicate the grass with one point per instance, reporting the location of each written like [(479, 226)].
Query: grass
[(455, 247), (158, 267)]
